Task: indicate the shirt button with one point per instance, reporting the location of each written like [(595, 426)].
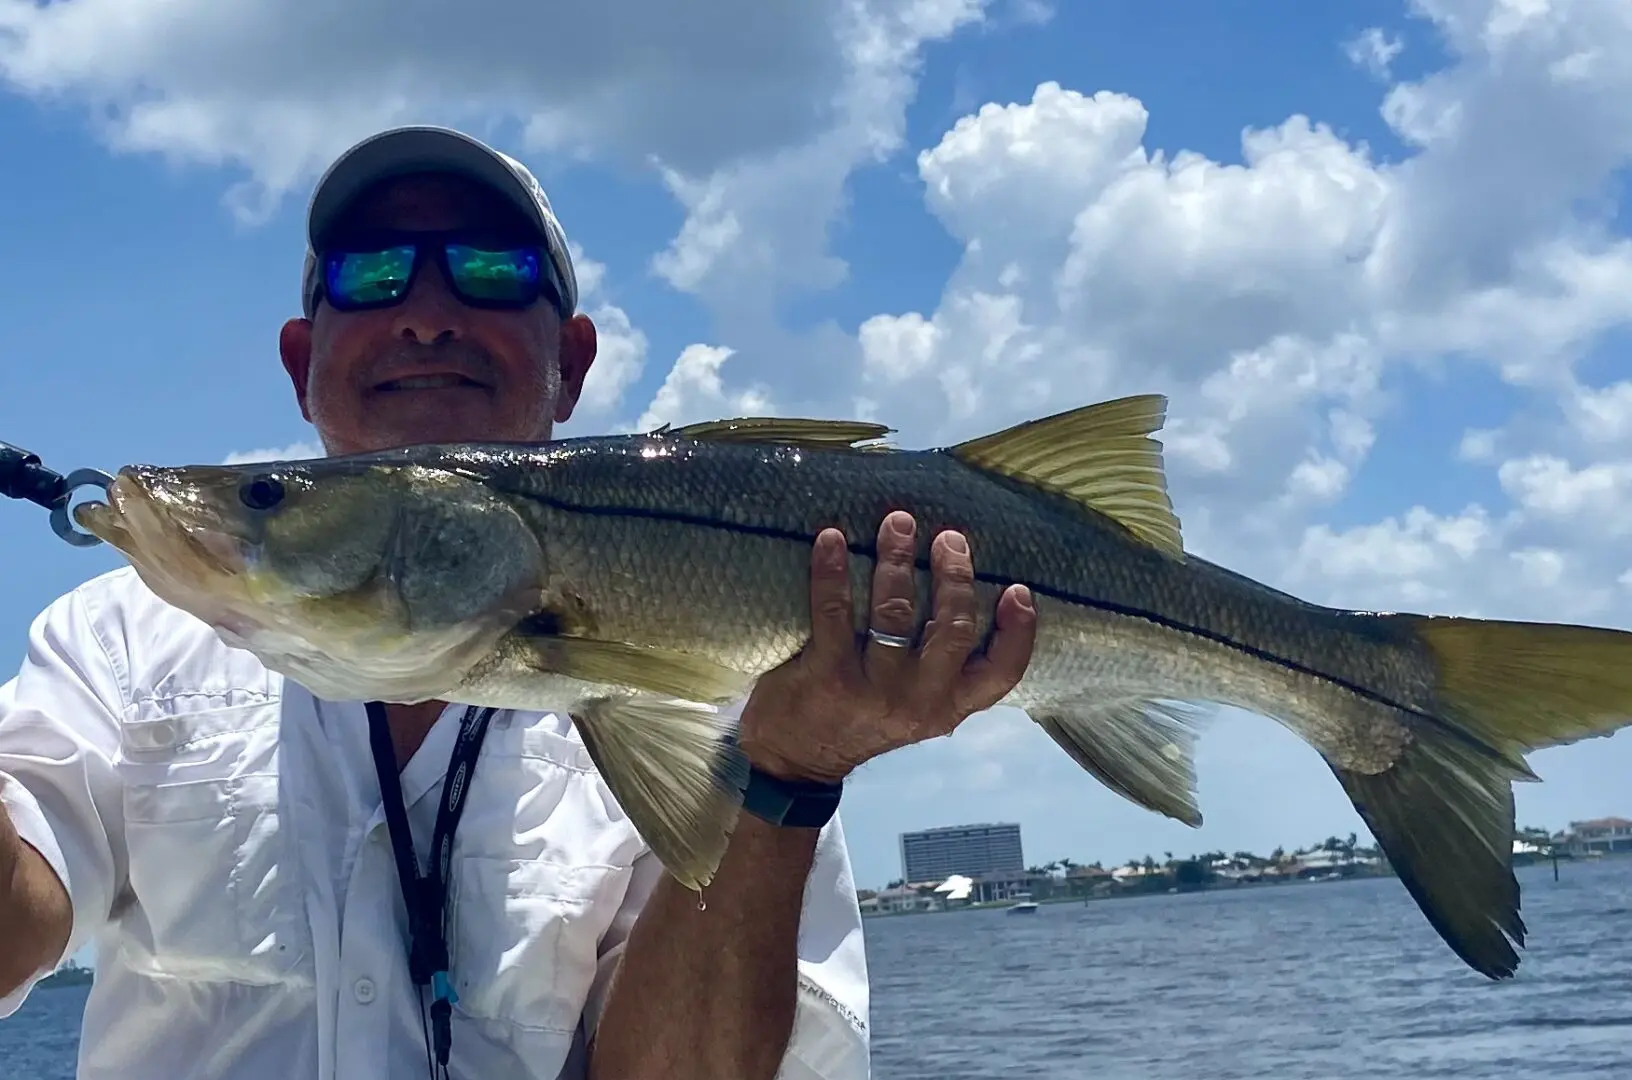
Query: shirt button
[(364, 990)]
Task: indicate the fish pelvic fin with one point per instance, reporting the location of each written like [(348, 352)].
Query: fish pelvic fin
[(1443, 816), (785, 431), (1142, 750), (675, 768), (1519, 686), (1101, 455)]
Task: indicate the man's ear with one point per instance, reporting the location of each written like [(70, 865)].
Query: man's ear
[(295, 347), (577, 354)]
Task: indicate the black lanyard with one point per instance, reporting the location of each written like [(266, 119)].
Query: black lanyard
[(425, 895)]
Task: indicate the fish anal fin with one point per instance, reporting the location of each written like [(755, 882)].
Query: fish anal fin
[(676, 770), (784, 431), (650, 670), (1443, 816), (1101, 455), (1142, 750)]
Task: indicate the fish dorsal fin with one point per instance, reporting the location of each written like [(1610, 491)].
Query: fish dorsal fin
[(1100, 455), (784, 431)]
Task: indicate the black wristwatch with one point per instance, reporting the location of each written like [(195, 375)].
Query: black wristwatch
[(798, 804)]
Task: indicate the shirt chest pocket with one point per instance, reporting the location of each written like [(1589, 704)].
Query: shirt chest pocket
[(212, 890), (525, 938)]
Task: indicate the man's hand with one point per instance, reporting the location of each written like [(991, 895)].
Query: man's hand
[(836, 705), (842, 702)]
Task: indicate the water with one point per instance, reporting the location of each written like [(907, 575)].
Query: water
[(38, 1041), (1296, 982)]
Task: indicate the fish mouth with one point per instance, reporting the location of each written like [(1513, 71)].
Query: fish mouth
[(170, 534)]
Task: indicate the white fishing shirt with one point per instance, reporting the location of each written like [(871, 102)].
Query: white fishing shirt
[(220, 833)]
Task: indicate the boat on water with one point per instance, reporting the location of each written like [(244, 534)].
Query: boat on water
[(1023, 905)]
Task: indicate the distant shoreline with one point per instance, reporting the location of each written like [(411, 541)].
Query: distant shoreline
[(72, 975), (1222, 885)]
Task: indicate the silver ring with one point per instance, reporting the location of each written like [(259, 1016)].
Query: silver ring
[(894, 641)]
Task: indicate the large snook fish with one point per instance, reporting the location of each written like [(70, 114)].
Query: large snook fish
[(638, 582)]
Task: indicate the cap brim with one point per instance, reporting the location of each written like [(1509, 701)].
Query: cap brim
[(408, 150)]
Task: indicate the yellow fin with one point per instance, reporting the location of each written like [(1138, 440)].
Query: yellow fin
[(1142, 750), (1101, 455), (662, 672), (676, 770), (1518, 687), (1443, 812), (784, 431)]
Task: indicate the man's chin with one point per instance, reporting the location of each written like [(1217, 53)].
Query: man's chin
[(416, 417)]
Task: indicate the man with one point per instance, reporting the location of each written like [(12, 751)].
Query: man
[(226, 839)]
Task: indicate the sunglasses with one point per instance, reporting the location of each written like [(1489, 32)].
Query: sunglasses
[(365, 273)]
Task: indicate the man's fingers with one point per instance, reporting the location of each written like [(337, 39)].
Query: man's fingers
[(953, 633), (988, 678), (893, 611), (832, 622)]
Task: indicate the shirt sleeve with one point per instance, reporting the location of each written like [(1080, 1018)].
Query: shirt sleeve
[(59, 730), (830, 1034)]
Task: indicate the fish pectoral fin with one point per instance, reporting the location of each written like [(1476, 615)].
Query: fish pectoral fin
[(1142, 750), (675, 768), (784, 431), (661, 672), (1100, 455), (1443, 815)]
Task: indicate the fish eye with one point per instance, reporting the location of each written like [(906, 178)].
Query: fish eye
[(261, 492)]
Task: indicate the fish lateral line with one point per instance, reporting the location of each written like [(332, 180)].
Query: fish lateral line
[(772, 532)]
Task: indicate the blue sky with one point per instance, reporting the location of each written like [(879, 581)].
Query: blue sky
[(1448, 253)]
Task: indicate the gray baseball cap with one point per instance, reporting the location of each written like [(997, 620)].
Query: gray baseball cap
[(419, 148)]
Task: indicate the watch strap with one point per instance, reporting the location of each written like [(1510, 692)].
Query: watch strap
[(797, 804)]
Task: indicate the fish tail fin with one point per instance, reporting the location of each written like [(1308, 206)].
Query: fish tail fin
[(676, 770), (1443, 812), (1443, 817), (1518, 687)]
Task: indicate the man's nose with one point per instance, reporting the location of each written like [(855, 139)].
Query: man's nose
[(430, 313)]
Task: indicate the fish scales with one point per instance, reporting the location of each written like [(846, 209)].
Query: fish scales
[(718, 535)]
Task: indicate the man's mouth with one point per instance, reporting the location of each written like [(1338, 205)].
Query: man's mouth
[(430, 382)]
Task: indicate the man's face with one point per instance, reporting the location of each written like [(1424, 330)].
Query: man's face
[(507, 376)]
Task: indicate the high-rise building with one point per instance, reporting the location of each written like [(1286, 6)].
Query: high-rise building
[(970, 850)]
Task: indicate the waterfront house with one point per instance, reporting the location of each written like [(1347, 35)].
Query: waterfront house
[(1603, 835), (898, 899)]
